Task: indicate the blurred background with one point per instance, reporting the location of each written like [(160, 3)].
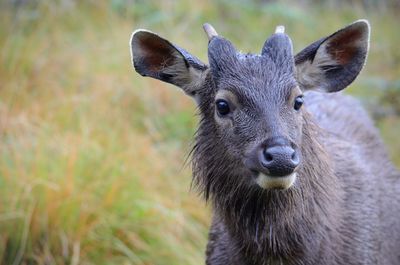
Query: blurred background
[(92, 155)]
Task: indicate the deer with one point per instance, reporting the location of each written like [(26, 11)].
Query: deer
[(295, 170)]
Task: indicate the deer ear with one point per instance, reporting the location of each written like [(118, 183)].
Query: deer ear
[(156, 57), (332, 63)]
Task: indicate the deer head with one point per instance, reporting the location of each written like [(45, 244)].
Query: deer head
[(251, 104)]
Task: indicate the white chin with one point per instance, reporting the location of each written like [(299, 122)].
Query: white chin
[(269, 182)]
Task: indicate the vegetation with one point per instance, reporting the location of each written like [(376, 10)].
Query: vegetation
[(91, 154)]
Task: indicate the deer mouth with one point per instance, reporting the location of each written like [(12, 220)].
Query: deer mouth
[(274, 182)]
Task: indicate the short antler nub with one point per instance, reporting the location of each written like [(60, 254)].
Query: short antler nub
[(210, 31), (280, 29)]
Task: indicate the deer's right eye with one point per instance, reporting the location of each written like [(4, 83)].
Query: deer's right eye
[(222, 107), (298, 102)]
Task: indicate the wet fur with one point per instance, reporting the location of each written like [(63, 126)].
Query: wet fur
[(339, 212)]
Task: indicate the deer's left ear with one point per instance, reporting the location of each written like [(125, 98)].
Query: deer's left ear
[(332, 63)]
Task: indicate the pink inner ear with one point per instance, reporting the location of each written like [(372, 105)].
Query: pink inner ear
[(345, 45), (156, 53)]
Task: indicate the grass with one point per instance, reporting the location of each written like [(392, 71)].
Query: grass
[(91, 154)]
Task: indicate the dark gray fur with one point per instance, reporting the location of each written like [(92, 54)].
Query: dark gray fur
[(344, 207)]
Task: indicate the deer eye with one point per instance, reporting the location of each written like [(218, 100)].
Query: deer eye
[(298, 102), (222, 107)]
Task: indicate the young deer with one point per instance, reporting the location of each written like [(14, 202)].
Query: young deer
[(289, 184)]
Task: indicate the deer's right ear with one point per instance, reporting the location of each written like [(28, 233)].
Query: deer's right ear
[(156, 57)]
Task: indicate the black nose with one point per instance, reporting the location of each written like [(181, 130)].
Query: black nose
[(280, 160)]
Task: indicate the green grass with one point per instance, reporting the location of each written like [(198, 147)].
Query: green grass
[(91, 154)]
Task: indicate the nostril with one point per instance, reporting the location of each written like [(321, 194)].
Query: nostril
[(295, 158), (268, 156)]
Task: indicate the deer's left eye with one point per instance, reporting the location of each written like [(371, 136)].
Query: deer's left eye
[(298, 102)]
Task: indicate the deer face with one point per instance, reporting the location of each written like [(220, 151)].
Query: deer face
[(258, 108), (251, 104)]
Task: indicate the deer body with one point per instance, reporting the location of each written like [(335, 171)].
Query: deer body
[(358, 226), (288, 184)]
